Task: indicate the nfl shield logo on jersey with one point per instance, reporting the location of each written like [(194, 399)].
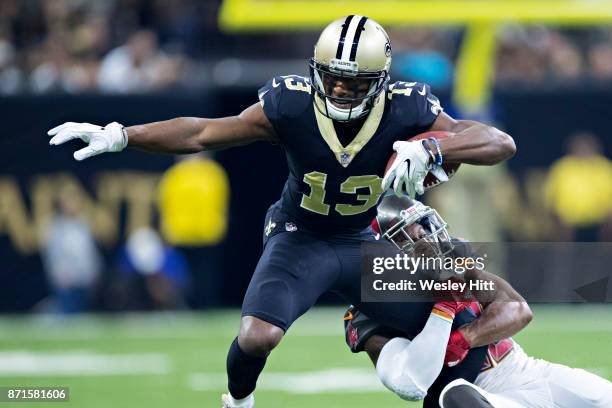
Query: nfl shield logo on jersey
[(290, 227), (345, 158)]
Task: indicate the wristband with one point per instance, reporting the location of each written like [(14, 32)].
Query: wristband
[(440, 158), (125, 136), (444, 311), (432, 155)]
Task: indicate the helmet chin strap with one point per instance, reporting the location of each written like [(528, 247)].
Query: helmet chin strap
[(341, 114)]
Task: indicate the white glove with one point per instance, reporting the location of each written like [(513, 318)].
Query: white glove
[(110, 138), (409, 169)]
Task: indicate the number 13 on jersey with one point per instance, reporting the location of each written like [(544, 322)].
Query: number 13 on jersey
[(315, 201)]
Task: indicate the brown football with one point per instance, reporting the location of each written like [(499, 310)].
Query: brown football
[(450, 168)]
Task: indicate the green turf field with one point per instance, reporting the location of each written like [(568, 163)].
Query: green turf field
[(167, 360)]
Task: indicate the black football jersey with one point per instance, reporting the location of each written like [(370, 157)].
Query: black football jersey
[(331, 187)]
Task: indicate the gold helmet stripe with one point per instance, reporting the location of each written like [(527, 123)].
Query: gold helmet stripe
[(345, 28)]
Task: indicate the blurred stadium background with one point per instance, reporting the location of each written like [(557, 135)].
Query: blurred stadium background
[(121, 277)]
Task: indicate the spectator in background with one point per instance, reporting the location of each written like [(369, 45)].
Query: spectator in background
[(600, 61), (565, 60), (521, 55), (59, 71), (64, 56), (152, 276), (138, 66), (70, 256), (11, 77), (419, 56), (579, 188), (59, 44), (193, 202), (468, 202)]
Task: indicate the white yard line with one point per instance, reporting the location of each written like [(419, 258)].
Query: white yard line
[(309, 382), (321, 322), (308, 331), (22, 363)]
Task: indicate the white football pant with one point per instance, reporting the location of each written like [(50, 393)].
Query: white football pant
[(520, 381)]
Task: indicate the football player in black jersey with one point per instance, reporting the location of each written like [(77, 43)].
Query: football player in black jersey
[(338, 128)]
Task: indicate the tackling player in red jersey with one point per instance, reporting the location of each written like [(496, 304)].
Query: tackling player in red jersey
[(509, 378)]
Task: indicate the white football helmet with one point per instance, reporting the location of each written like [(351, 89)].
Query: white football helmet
[(356, 50)]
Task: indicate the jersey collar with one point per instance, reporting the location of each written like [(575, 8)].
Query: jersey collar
[(345, 155)]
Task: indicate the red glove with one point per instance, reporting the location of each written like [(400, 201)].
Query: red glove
[(450, 309), (457, 348)]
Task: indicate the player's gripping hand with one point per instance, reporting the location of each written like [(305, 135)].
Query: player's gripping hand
[(409, 169), (450, 309), (457, 348), (110, 138)]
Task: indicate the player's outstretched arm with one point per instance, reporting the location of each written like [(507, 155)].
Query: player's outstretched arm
[(473, 143), (175, 136)]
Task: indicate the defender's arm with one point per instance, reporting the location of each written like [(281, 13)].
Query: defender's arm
[(503, 316), (473, 143), (409, 368), (399, 362)]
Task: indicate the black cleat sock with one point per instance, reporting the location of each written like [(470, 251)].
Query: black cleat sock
[(462, 395), (242, 371)]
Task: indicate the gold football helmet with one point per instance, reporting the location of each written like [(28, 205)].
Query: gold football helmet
[(356, 51)]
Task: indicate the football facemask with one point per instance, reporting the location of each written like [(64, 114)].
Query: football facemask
[(363, 87), (413, 227)]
